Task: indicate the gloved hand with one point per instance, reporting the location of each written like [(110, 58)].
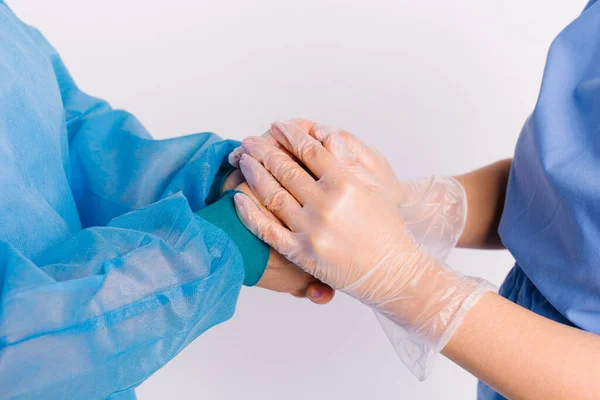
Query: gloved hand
[(345, 229), (284, 277), (281, 275), (434, 208)]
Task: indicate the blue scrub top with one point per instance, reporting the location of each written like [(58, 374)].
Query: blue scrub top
[(106, 273), (551, 219)]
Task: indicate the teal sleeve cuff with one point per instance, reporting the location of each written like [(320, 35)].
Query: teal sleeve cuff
[(255, 253)]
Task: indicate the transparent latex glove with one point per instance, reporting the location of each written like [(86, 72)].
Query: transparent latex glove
[(284, 277), (434, 208), (281, 275), (345, 230)]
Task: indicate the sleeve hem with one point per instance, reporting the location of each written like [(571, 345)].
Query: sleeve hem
[(255, 253)]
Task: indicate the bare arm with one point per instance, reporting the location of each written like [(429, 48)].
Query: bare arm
[(486, 189), (525, 356)]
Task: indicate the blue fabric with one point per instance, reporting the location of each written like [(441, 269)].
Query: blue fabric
[(551, 219), (105, 271)]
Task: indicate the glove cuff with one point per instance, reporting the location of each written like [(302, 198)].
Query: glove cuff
[(436, 213)]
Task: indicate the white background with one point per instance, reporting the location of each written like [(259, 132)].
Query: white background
[(440, 86)]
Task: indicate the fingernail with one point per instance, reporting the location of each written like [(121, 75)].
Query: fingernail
[(247, 165), (243, 204), (243, 164), (237, 200), (284, 126), (282, 131), (235, 155), (268, 136), (240, 201), (276, 130), (315, 294), (250, 170), (279, 133)]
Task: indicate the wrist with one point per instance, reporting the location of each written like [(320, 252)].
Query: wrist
[(435, 211), (426, 316), (232, 180), (254, 252), (432, 303)]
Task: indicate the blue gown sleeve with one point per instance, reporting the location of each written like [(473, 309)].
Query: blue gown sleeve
[(99, 313), (116, 166), (99, 309)]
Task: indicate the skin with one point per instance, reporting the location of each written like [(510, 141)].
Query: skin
[(523, 355), (486, 189), (281, 275), (531, 357), (518, 353)]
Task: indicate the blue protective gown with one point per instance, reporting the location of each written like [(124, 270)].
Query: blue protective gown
[(551, 219), (105, 271)]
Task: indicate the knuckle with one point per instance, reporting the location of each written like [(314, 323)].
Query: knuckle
[(308, 150), (278, 162), (345, 190), (325, 211), (287, 172), (338, 204), (276, 200), (321, 242), (266, 231)]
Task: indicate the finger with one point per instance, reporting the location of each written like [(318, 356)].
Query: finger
[(306, 148), (269, 231), (235, 155), (338, 147), (270, 193), (353, 145), (268, 136), (304, 124), (319, 293), (287, 172), (350, 150), (360, 168), (325, 134), (245, 188), (322, 131)]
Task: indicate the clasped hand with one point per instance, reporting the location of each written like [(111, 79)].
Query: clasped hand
[(338, 212)]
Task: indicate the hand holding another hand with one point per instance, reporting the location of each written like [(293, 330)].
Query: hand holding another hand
[(344, 227), (434, 209), (280, 274)]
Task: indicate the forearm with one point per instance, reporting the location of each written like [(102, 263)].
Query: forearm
[(523, 355), (486, 190), (141, 288)]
